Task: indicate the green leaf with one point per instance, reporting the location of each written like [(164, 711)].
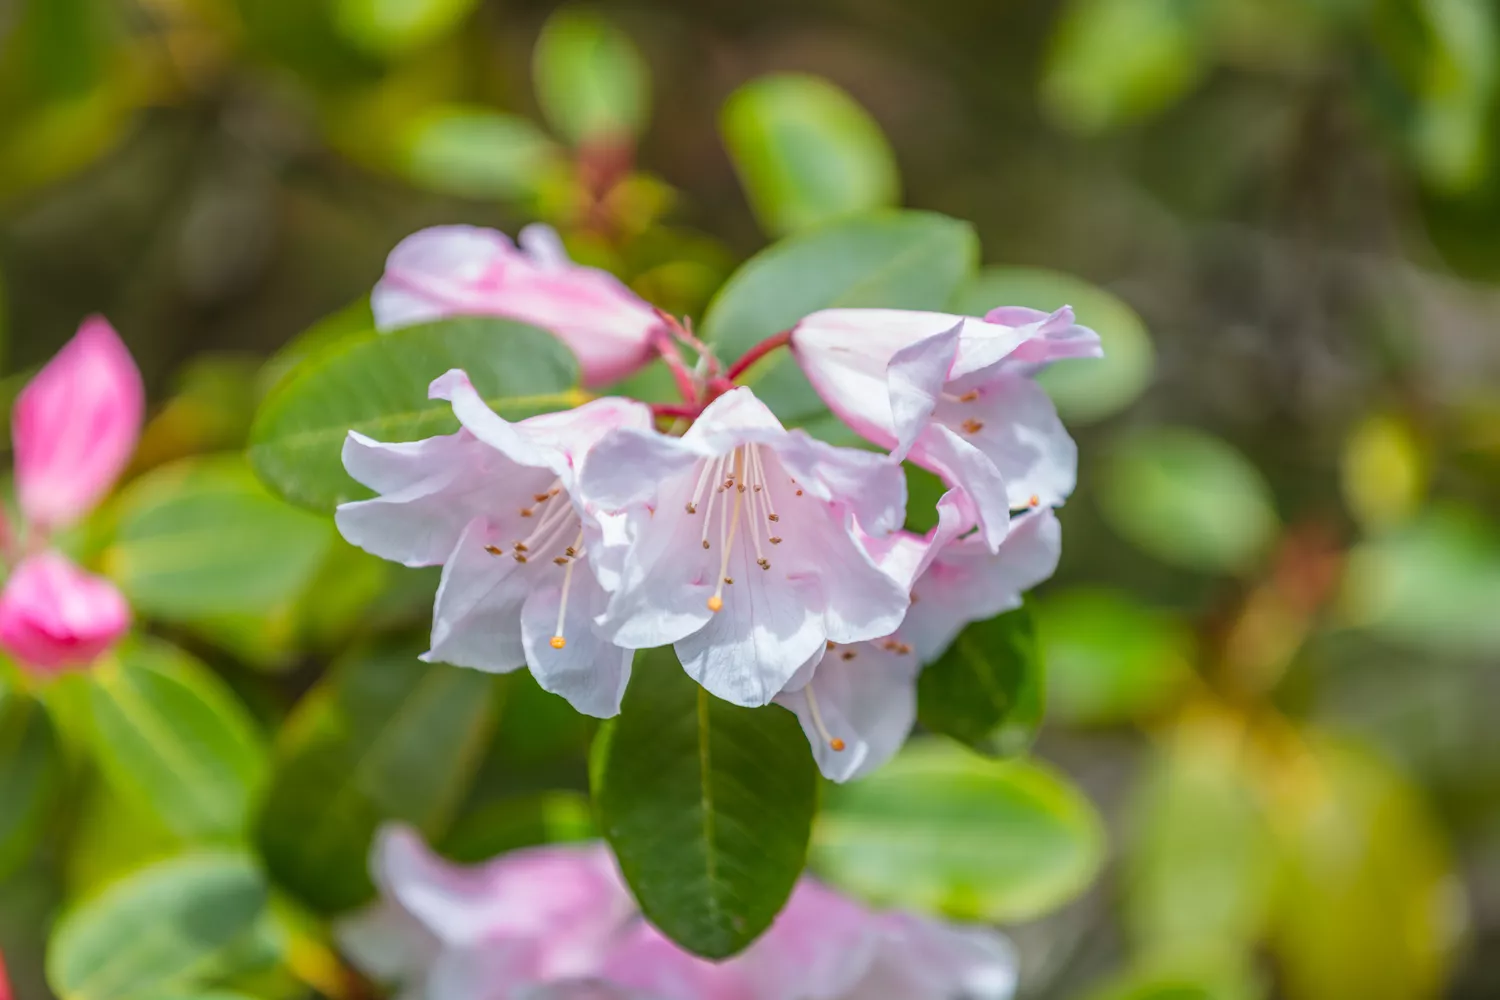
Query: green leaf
[(1201, 865), (986, 690), (1109, 657), (903, 260), (1367, 906), (940, 829), (806, 152), (476, 152), (383, 737), (591, 81), (520, 821), (1434, 584), (30, 776), (203, 537), (1192, 980), (392, 27), (161, 929), (377, 384), (1112, 61), (1187, 498), (1084, 389), (171, 737), (708, 807)]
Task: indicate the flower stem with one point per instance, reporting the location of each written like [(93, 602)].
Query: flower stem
[(757, 352), (667, 348)]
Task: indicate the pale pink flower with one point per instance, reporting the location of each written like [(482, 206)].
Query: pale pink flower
[(954, 394), (467, 271), (556, 923), (54, 615), (75, 426), (857, 703), (739, 543), (496, 505)]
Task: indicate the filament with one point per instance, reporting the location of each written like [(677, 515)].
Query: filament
[(833, 742)]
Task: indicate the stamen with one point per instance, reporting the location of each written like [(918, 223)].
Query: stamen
[(755, 474), (967, 397), (726, 541), (972, 426), (711, 471), (834, 743), (848, 655), (558, 642), (1035, 501), (692, 505), (494, 550)]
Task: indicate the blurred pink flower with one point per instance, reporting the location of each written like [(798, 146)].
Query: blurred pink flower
[(75, 426), (465, 271), (857, 703), (740, 545), (954, 394), (496, 504), (557, 923), (54, 615)]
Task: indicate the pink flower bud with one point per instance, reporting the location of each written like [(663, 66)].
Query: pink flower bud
[(54, 615), (75, 426), (465, 271)]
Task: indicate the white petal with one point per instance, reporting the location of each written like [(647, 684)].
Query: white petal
[(867, 699), (431, 490), (966, 468), (589, 671), (1021, 434), (476, 620)]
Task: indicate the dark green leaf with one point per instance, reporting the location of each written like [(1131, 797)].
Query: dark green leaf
[(377, 384), (806, 152), (707, 805), (161, 929), (987, 689), (905, 260), (940, 829), (170, 736), (30, 774), (383, 737)]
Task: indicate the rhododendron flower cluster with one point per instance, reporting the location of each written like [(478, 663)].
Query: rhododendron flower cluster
[(558, 923), (774, 563), (74, 428)]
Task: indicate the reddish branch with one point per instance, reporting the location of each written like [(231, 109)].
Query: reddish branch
[(757, 352)]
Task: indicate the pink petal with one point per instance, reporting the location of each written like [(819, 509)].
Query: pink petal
[(866, 697), (465, 271), (54, 615), (75, 426), (965, 582), (563, 902)]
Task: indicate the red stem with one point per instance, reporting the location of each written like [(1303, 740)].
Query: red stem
[(5, 993), (667, 348), (671, 411), (757, 352)]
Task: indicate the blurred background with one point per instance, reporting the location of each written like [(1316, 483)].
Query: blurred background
[(1273, 649)]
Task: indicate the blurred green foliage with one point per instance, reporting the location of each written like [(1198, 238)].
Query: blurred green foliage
[(1270, 654)]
